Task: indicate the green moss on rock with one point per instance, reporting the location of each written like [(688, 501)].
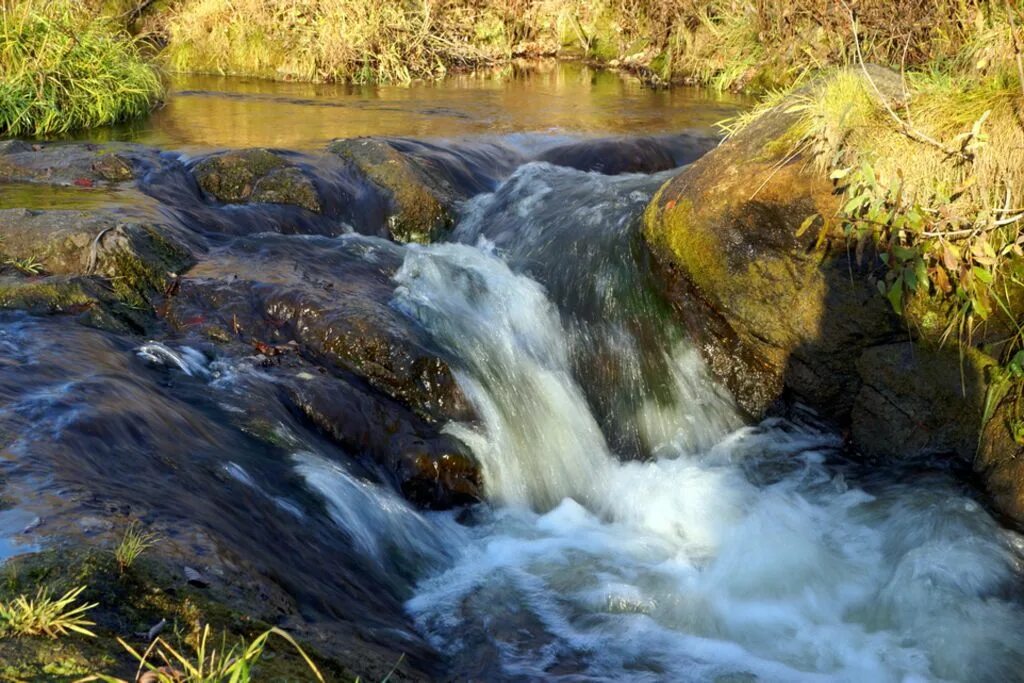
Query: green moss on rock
[(232, 176), (129, 605), (419, 212)]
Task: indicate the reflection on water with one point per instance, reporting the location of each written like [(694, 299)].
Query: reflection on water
[(213, 111), (39, 196)]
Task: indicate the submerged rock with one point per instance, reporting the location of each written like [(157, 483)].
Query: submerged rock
[(614, 156)]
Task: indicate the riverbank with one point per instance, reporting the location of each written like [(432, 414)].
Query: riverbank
[(725, 45)]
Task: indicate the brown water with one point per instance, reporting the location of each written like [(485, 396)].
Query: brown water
[(556, 98)]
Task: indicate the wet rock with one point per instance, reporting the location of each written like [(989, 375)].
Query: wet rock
[(324, 295), (431, 469), (614, 156), (82, 164), (1000, 458), (90, 298), (194, 578), (421, 211), (771, 311), (256, 175), (139, 259)]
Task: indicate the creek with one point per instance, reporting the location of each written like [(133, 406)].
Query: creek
[(634, 524)]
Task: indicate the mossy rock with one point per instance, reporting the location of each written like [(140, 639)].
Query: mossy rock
[(139, 259), (92, 300), (772, 310), (128, 604), (256, 175), (1000, 457), (420, 211)]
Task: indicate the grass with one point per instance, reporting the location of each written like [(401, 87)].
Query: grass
[(134, 542), (44, 615), (932, 178), (64, 68), (208, 663), (726, 44)]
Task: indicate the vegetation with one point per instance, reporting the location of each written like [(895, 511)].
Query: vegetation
[(45, 615), (728, 44), (134, 542), (208, 664), (934, 184), (63, 68), (145, 621)]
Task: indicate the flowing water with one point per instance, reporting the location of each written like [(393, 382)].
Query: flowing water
[(636, 526)]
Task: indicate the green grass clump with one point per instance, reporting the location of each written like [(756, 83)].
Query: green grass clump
[(207, 664), (62, 68), (134, 542), (44, 615)]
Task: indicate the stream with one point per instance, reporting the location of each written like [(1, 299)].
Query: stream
[(635, 525)]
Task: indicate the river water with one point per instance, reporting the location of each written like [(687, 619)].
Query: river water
[(636, 526)]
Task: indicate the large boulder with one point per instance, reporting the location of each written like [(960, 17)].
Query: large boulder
[(787, 316)]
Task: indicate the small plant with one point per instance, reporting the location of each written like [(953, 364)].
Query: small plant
[(208, 664), (134, 542), (28, 265), (45, 616)]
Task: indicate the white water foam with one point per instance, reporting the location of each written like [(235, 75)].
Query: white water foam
[(739, 561)]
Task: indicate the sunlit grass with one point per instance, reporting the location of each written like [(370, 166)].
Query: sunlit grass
[(61, 69), (209, 662), (134, 542), (44, 615)]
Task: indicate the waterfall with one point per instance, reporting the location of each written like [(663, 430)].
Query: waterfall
[(726, 552)]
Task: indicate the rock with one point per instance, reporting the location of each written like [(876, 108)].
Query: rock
[(318, 312), (613, 156), (324, 295), (140, 259), (420, 212), (256, 175), (430, 468), (915, 398), (74, 163), (1000, 459), (770, 310), (781, 317), (287, 186), (194, 578)]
